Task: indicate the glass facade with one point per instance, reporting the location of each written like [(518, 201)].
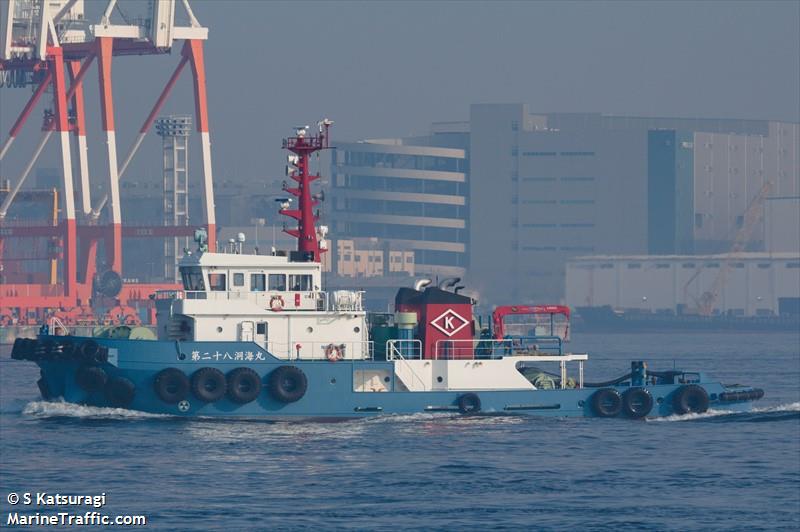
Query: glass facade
[(444, 202), (404, 161)]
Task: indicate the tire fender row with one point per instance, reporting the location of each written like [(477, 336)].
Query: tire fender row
[(286, 384), (637, 402), (746, 395), (59, 350)]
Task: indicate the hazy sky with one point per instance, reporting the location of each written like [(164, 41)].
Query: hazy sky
[(389, 69)]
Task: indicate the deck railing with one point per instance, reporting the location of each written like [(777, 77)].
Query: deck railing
[(401, 351), (332, 351), (491, 348), (338, 301)]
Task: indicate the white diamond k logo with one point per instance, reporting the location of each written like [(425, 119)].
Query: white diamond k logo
[(450, 322)]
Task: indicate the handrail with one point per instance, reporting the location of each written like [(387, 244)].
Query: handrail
[(333, 351), (395, 354), (411, 347), (488, 348), (56, 324), (343, 300)]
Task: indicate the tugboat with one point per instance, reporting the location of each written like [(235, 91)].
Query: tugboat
[(256, 336)]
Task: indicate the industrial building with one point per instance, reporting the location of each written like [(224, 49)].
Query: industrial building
[(534, 190), (701, 183), (547, 194), (575, 184), (737, 283), (782, 223), (745, 284)]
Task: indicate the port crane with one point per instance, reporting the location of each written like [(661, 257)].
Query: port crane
[(706, 303), (50, 45)]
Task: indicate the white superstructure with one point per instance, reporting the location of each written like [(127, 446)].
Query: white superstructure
[(279, 304), (268, 299)]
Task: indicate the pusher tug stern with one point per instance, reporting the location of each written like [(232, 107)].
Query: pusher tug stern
[(256, 336)]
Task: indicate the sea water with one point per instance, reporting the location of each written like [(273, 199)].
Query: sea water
[(718, 470)]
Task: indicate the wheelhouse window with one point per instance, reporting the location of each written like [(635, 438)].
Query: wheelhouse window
[(277, 282), (216, 282), (192, 279), (257, 282), (300, 283), (238, 279)]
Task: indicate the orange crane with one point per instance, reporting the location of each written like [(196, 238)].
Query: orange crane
[(754, 212)]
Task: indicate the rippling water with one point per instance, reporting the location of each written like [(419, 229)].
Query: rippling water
[(717, 470)]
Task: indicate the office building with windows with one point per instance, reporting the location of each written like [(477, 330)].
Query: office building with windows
[(508, 197), (548, 187), (409, 194)]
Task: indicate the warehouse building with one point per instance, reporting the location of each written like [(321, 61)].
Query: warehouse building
[(744, 284)]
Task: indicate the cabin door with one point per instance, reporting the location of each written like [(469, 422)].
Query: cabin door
[(262, 334), (246, 331)]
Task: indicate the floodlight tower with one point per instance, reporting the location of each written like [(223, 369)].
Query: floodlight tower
[(310, 240), (174, 132)]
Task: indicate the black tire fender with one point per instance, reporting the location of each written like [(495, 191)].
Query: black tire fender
[(690, 398), (637, 402), (606, 402), (120, 392), (208, 384), (91, 378), (89, 350), (244, 385), (23, 349), (171, 385), (469, 403), (287, 384)]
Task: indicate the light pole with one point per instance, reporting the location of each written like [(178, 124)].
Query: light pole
[(258, 222)]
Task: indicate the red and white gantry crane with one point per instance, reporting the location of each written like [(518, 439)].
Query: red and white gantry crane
[(51, 44)]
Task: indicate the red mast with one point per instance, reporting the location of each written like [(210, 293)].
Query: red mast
[(303, 146)]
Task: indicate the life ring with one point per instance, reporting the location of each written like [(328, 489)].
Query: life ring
[(606, 402), (119, 392), (208, 384), (287, 384), (637, 402), (469, 403), (244, 385), (276, 303), (171, 385), (91, 378), (690, 399), (333, 353)]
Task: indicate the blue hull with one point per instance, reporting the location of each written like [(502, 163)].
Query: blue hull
[(330, 388)]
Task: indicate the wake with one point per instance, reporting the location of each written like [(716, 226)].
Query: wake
[(770, 413), (60, 409), (49, 409)]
